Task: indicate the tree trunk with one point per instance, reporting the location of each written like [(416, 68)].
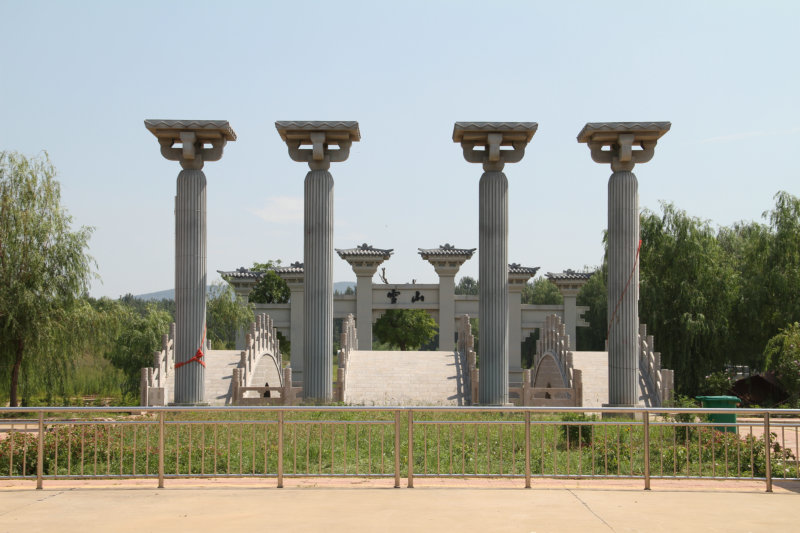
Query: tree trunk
[(15, 373)]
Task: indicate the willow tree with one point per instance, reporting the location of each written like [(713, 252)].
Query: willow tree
[(44, 272)]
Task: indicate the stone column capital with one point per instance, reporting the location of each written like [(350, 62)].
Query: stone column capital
[(365, 259), (200, 140), (446, 259), (319, 135), (620, 138), (491, 136)]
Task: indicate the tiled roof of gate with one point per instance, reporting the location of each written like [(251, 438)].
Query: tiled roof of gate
[(569, 275), (366, 250), (294, 268), (446, 249), (241, 273), (515, 268)]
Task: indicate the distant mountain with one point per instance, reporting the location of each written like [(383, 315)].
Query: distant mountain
[(169, 294)]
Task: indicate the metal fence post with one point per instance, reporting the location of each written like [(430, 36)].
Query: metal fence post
[(161, 450), (397, 449), (527, 449), (410, 449), (40, 452), (767, 452), (280, 449), (646, 421)]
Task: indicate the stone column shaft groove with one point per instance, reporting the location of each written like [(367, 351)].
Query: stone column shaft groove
[(318, 283), (493, 291), (623, 288), (190, 284)]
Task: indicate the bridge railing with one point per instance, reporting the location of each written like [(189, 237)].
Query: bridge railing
[(153, 382), (348, 342), (523, 443)]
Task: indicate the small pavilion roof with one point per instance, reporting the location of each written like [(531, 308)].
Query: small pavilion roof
[(569, 275), (365, 250), (446, 250), (241, 273), (295, 268), (516, 268)]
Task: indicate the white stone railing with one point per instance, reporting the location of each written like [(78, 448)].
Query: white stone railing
[(466, 347), (153, 383), (348, 342), (659, 382), (261, 341), (554, 339)]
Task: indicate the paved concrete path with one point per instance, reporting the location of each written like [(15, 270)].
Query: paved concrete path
[(404, 378), (364, 505)]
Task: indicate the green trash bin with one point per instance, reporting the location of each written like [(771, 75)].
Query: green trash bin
[(721, 402)]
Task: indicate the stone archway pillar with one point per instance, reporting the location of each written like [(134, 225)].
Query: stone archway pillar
[(190, 243), (493, 242), (318, 242), (620, 139), (364, 260), (447, 260)]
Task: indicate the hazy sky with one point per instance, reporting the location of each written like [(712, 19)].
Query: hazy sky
[(78, 78)]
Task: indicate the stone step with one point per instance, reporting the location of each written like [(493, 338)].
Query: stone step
[(405, 378)]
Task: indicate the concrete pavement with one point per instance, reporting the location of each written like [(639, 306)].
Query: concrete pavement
[(373, 505)]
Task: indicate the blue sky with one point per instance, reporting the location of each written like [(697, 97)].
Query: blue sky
[(78, 78)]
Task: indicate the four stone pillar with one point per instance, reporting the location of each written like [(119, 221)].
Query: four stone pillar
[(623, 244), (493, 242), (364, 260), (318, 242), (190, 243)]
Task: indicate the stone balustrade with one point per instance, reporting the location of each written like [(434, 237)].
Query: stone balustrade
[(466, 347), (658, 382), (153, 383)]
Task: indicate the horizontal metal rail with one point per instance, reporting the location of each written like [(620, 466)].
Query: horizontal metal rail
[(44, 443)]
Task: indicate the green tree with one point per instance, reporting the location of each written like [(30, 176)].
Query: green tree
[(782, 355), (139, 336), (408, 329), (226, 314), (687, 289), (44, 272), (270, 289), (541, 291), (467, 285)]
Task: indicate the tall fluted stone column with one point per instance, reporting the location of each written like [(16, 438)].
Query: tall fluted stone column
[(493, 242), (190, 243), (447, 260), (623, 244), (518, 277), (364, 260), (318, 242)]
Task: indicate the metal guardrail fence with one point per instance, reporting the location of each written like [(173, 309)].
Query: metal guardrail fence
[(404, 442)]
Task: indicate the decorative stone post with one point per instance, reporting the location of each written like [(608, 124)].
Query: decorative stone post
[(493, 242), (201, 141), (365, 261), (447, 260), (318, 242), (294, 276), (518, 276), (569, 284), (623, 244)]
